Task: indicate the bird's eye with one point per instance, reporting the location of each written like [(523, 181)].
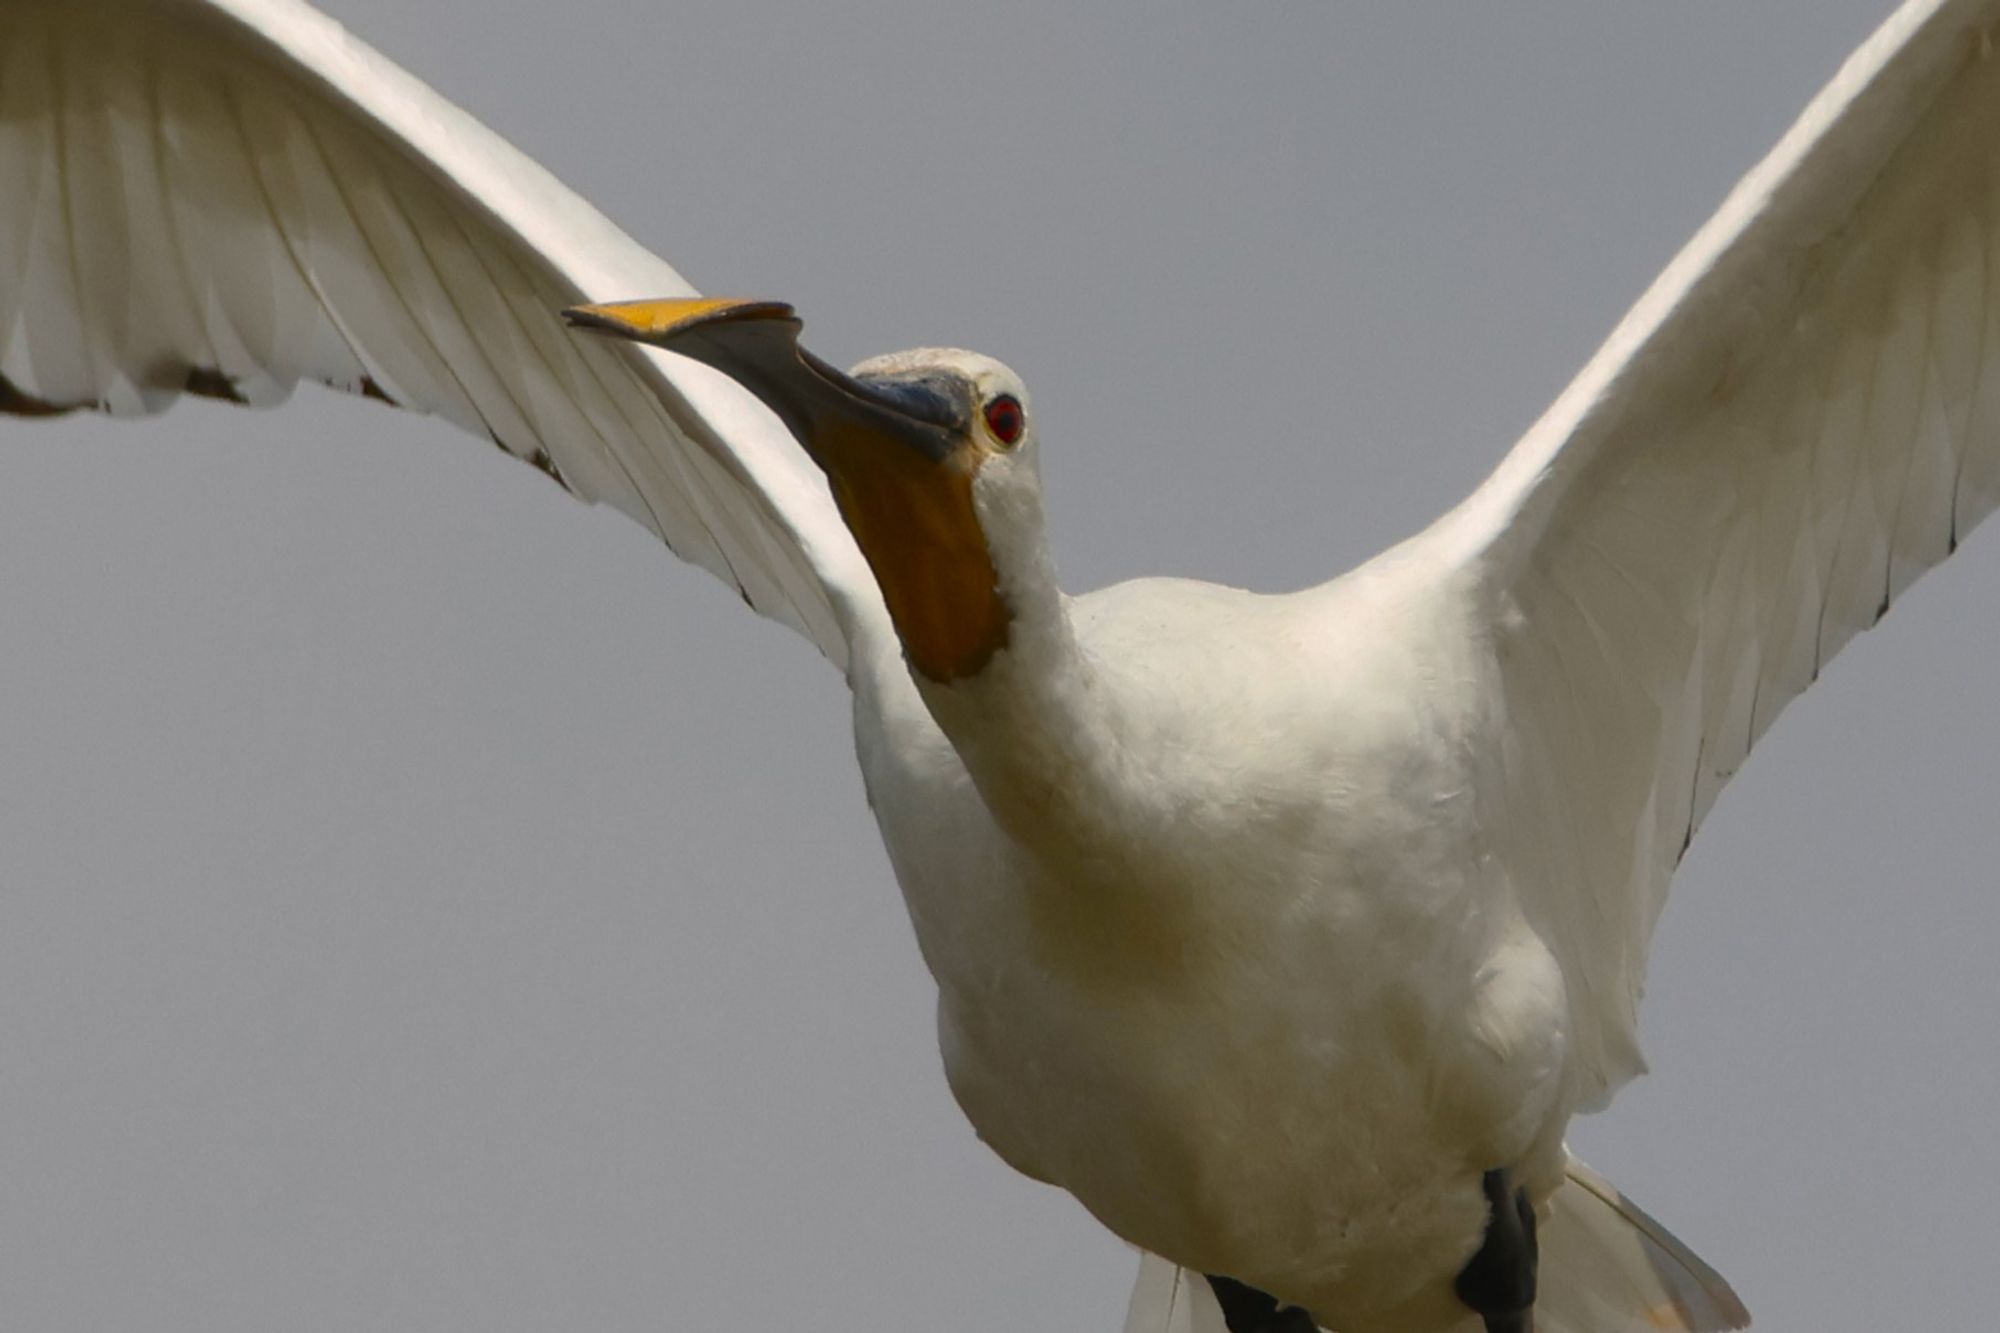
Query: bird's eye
[(1005, 419)]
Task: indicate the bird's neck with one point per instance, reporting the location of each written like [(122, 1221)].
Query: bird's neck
[(1040, 728)]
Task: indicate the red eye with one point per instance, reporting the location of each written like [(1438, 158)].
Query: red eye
[(1005, 419)]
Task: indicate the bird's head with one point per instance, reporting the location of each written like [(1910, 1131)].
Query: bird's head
[(930, 455)]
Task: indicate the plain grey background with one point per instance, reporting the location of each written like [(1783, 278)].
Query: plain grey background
[(428, 906)]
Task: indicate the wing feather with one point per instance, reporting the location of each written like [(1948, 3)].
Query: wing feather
[(1795, 422), (229, 197)]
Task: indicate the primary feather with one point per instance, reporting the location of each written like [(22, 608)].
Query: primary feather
[(227, 197), (1800, 417)]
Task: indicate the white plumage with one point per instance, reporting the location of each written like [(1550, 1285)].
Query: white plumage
[(1789, 428), (244, 194), (1795, 422)]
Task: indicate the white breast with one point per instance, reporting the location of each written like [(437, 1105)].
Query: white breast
[(1222, 1047)]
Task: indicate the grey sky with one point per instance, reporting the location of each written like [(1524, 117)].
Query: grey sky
[(431, 907)]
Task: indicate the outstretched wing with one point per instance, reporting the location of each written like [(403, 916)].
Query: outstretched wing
[(225, 197), (1801, 416)]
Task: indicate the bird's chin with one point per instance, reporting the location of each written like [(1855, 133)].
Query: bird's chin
[(919, 530)]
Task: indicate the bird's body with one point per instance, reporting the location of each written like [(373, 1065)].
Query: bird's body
[(1284, 932), (1168, 992)]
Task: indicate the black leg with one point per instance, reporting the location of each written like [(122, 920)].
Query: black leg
[(1248, 1310), (1499, 1283)]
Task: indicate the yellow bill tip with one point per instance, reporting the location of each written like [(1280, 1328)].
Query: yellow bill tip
[(659, 320)]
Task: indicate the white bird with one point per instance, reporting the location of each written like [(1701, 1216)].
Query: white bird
[(1286, 933)]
